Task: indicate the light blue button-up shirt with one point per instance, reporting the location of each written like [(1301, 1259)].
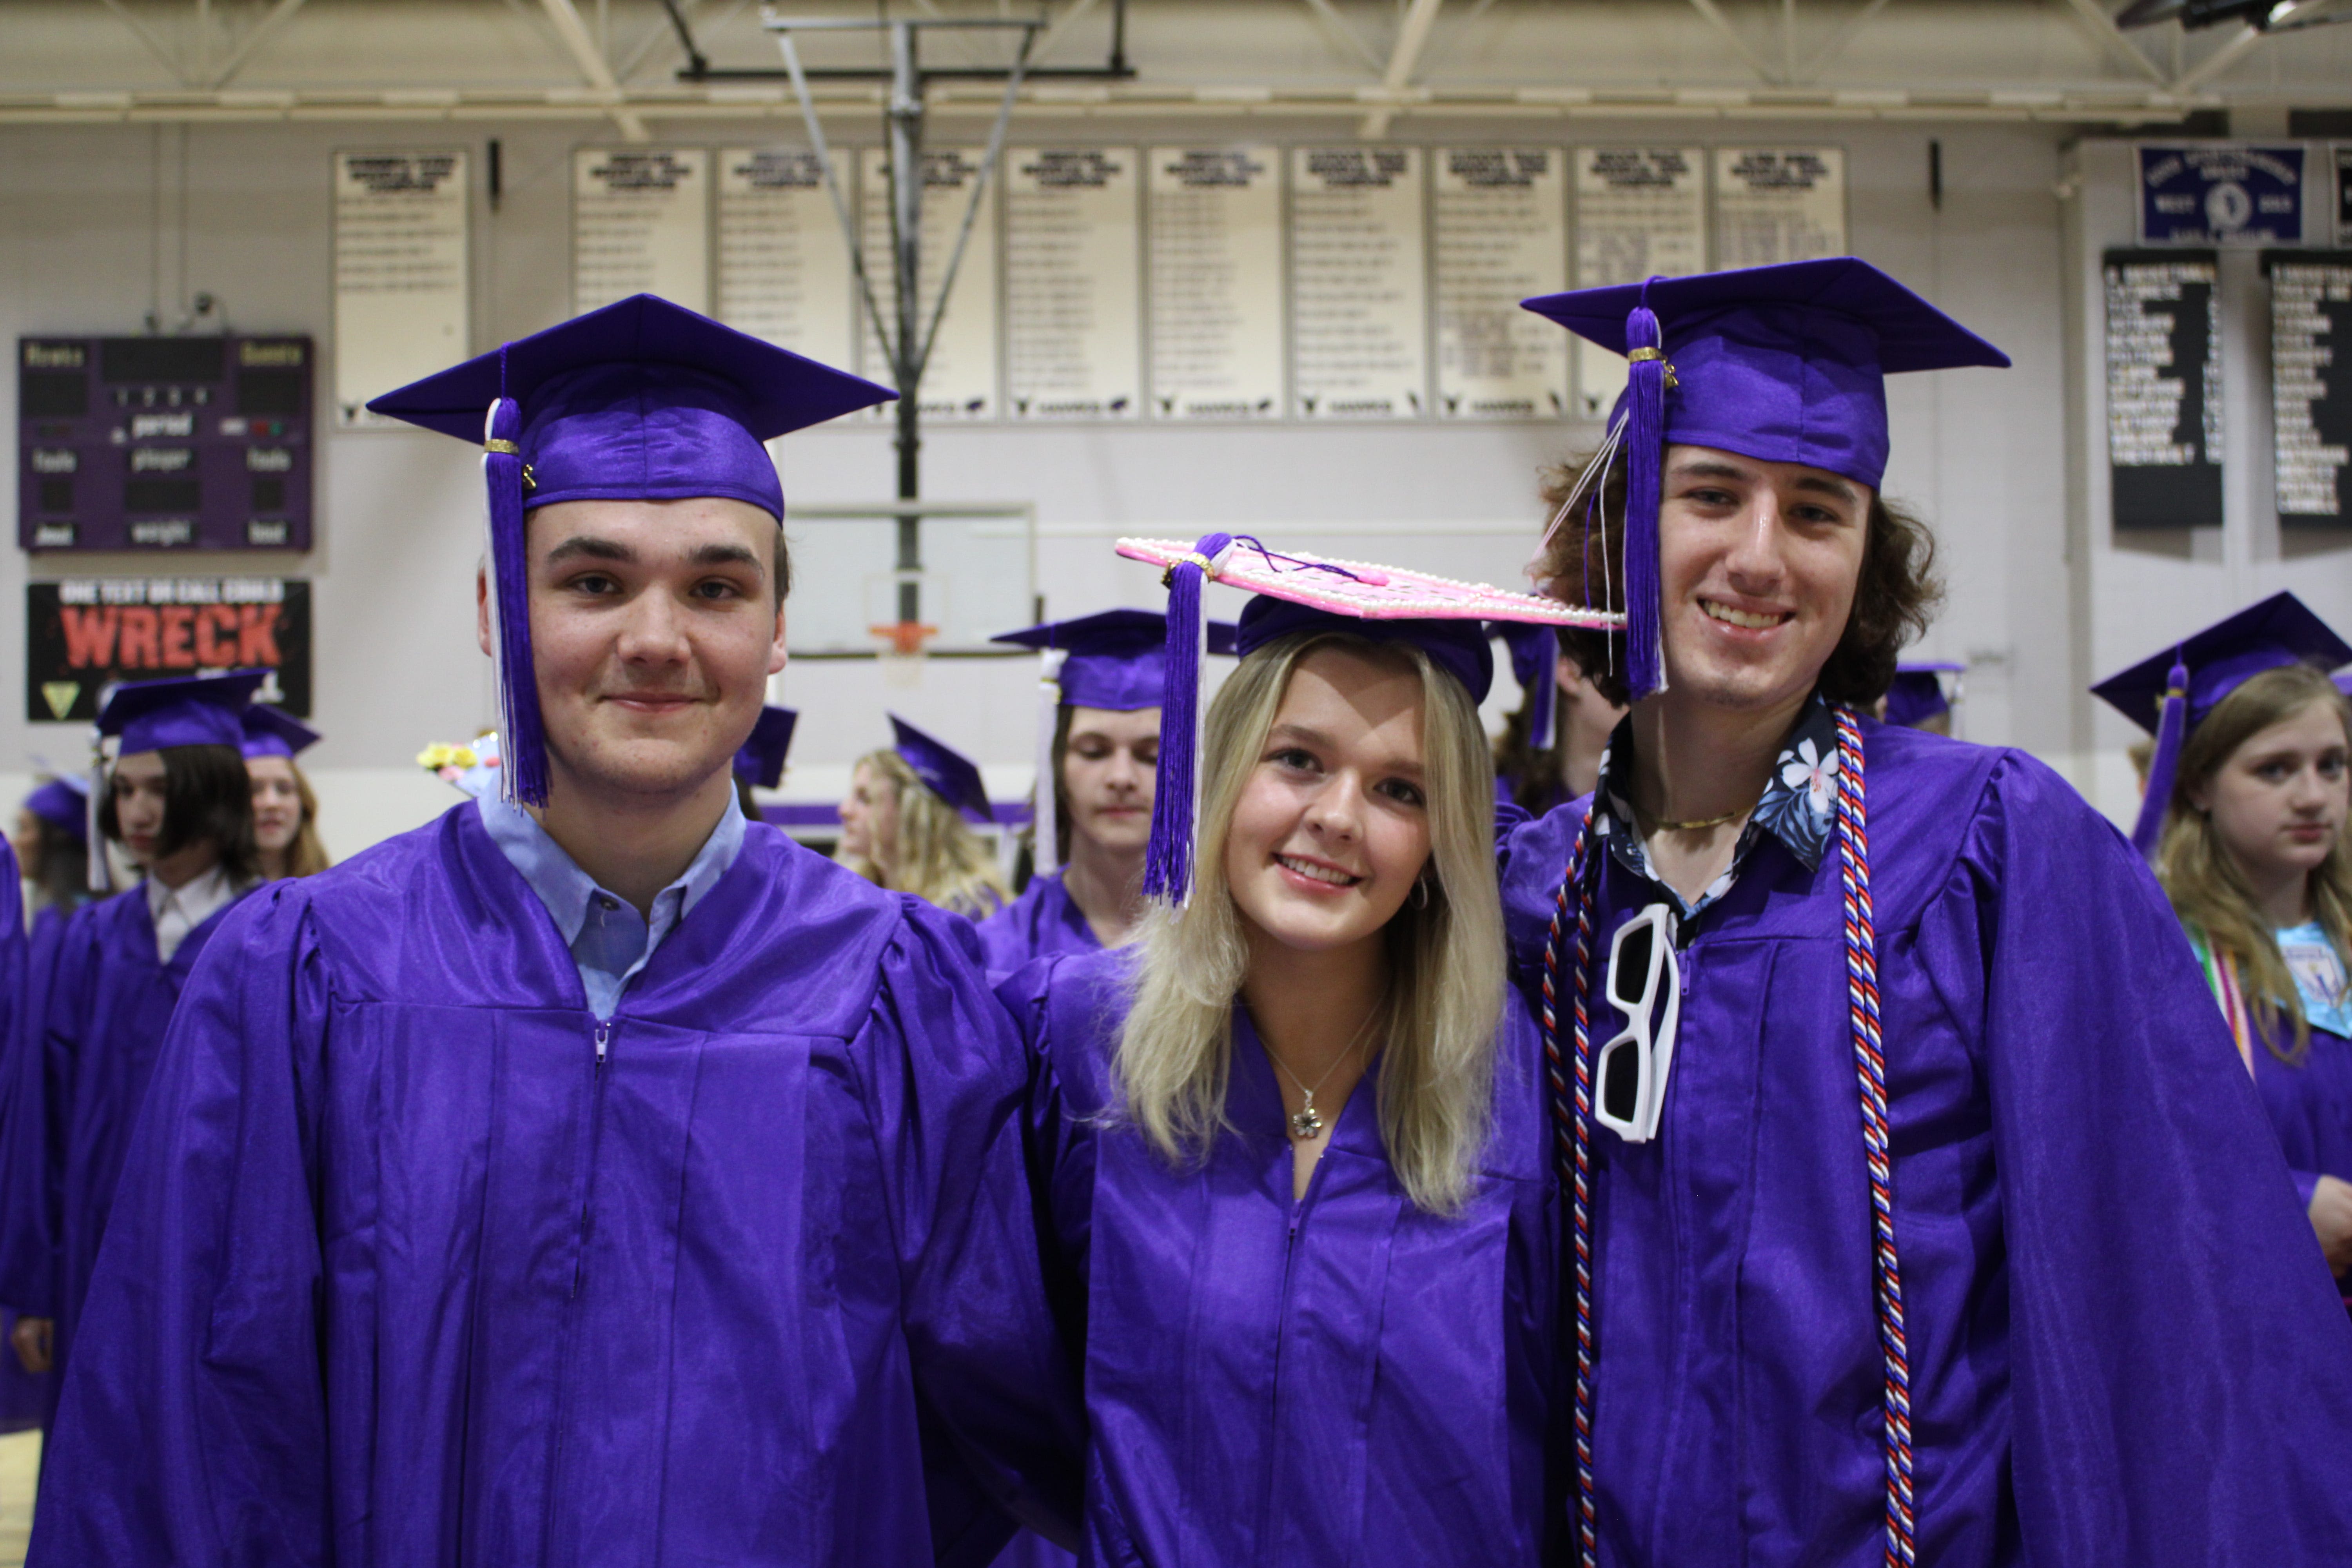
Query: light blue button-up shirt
[(609, 939)]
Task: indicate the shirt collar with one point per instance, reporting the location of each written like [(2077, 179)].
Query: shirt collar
[(1798, 805), (567, 891), (195, 898)]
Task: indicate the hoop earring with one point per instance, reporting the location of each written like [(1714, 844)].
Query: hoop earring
[(1421, 892)]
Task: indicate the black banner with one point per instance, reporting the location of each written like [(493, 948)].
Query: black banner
[(2311, 384), (2164, 388), (88, 634)]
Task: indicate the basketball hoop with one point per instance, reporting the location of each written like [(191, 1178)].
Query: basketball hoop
[(901, 657)]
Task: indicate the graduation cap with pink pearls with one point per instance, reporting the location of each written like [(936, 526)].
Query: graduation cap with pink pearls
[(642, 400), (1446, 619)]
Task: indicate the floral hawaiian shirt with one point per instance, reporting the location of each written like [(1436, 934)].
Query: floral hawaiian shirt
[(1798, 805)]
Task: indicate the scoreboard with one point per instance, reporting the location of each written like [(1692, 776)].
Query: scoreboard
[(164, 443)]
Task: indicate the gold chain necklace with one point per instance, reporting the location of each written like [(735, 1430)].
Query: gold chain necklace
[(1308, 1122), (1705, 822)]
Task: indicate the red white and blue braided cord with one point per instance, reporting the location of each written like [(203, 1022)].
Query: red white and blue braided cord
[(1572, 1135), (1870, 1068), (1572, 1140)]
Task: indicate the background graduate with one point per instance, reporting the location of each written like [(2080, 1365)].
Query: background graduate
[(178, 801), (2245, 811), (52, 853), (1298, 1161), (1916, 697), (284, 811), (1924, 1226), (760, 763), (588, 1176), (1100, 730), (907, 825), (26, 1396), (1549, 749)]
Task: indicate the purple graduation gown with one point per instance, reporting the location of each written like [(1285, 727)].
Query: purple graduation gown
[(2124, 1348), (23, 1398), (2310, 1108), (1044, 920), (1342, 1380), (401, 1275), (111, 999)]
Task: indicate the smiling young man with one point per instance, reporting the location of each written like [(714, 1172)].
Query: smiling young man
[(1915, 1195), (589, 1176)]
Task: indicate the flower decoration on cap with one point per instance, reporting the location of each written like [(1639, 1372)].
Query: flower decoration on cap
[(1783, 365), (1442, 616), (2171, 693), (474, 769), (642, 400)]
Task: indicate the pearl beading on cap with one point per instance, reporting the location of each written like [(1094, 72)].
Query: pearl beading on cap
[(1468, 601)]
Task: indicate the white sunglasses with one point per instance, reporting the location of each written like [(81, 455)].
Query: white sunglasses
[(1629, 1074)]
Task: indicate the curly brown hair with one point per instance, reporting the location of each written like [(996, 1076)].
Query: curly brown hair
[(1893, 603)]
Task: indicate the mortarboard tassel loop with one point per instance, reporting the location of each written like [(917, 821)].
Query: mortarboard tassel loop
[(1647, 377), (522, 742), (1168, 863), (1046, 852), (2163, 765)]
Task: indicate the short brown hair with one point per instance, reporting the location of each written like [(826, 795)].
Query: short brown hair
[(1897, 593)]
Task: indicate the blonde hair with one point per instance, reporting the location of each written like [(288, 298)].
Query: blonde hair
[(1446, 960), (306, 856), (939, 859), (2207, 890)]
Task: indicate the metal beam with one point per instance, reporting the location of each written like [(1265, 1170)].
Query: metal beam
[(2110, 38), (1722, 24), (155, 46), (1330, 15), (1840, 39), (593, 67), (1413, 35), (2220, 60), (262, 30), (1061, 26)]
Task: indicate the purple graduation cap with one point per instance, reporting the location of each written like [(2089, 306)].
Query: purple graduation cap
[(1116, 659), (945, 772), (1916, 693), (642, 400), (189, 711), (761, 759), (1784, 364), (2169, 693), (64, 804), (1535, 665), (1443, 618), (268, 732)]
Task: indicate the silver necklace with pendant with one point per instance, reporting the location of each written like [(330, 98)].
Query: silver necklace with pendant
[(1308, 1123)]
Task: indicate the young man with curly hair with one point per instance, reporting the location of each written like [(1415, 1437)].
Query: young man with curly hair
[(1906, 1170)]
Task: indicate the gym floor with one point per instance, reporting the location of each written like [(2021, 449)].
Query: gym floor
[(20, 1462)]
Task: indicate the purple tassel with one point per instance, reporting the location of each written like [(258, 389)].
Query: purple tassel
[(522, 742), (2171, 729), (1545, 686), (1167, 862), (1645, 449)]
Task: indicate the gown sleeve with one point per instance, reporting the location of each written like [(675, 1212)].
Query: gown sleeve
[(32, 1138), (192, 1424), (948, 1088), (2181, 1376)]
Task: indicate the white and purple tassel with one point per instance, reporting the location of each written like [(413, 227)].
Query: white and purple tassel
[(1168, 863), (1046, 853)]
